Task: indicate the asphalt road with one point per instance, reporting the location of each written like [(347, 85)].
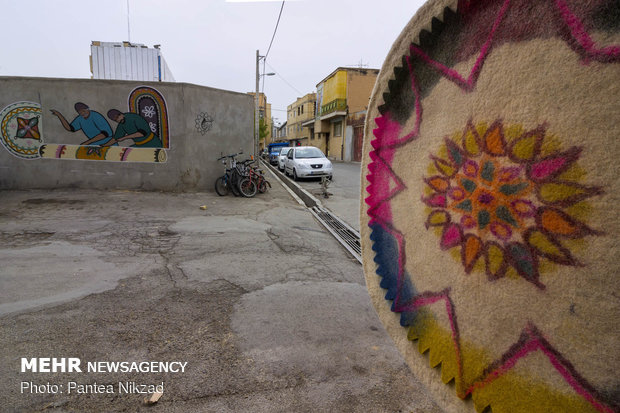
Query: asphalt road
[(268, 311), (344, 198)]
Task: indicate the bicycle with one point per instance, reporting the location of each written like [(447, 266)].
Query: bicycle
[(258, 175), (246, 184), (229, 181), (242, 178)]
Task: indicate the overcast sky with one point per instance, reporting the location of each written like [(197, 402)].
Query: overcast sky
[(207, 42)]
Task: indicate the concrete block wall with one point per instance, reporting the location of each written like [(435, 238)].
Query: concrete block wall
[(203, 123)]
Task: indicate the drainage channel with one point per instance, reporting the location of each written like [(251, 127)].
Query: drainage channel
[(347, 236)]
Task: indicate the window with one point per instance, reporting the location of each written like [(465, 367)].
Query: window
[(338, 129), (309, 152)]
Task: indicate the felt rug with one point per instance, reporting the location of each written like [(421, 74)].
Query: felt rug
[(490, 223)]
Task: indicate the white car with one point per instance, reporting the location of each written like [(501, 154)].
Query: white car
[(307, 162), (282, 157)]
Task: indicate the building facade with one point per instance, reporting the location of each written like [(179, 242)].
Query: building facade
[(281, 134), (128, 61), (264, 113), (341, 104), (299, 116)]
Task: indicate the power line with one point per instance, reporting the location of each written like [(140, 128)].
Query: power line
[(275, 30), (284, 80)]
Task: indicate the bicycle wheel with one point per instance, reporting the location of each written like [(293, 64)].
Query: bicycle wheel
[(221, 186), (235, 178), (247, 187), (264, 185)]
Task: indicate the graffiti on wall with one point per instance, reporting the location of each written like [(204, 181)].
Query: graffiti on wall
[(138, 134), (203, 122)]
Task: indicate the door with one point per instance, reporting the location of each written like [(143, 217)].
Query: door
[(358, 139), (327, 144)]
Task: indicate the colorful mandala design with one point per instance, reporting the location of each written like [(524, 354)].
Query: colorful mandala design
[(501, 199), (20, 129)]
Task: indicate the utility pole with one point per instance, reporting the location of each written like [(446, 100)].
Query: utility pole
[(256, 112), (128, 30)]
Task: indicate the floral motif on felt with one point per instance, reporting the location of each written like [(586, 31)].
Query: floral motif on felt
[(504, 201)]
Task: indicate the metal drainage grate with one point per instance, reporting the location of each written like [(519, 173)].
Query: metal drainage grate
[(346, 235)]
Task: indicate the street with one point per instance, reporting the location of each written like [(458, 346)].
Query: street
[(344, 198), (267, 310)]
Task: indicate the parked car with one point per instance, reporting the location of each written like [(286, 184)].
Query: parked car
[(282, 157), (306, 162), (274, 151), (273, 156)]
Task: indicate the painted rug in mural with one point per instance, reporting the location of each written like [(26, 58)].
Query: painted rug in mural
[(489, 229), (98, 153)]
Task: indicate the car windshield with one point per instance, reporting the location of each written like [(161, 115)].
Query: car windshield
[(284, 151), (309, 152)]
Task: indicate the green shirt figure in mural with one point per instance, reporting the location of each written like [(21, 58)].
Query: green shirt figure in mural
[(133, 126)]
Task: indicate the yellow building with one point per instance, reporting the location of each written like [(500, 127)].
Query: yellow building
[(342, 100), (264, 110), (299, 116)]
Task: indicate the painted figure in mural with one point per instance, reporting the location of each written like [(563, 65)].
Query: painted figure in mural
[(133, 126), (93, 124)]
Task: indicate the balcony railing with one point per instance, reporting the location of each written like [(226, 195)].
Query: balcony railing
[(334, 106)]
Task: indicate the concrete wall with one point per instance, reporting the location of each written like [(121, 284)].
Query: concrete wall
[(359, 87), (203, 123)]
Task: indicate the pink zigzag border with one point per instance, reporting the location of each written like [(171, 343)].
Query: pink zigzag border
[(380, 212)]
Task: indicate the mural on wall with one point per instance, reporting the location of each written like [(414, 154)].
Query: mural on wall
[(92, 124), (204, 122), (489, 225), (140, 134)]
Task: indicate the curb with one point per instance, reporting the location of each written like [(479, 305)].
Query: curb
[(308, 199)]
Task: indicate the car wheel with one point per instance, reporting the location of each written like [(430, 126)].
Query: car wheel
[(294, 175)]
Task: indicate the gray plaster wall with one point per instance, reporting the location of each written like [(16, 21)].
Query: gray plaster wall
[(191, 160)]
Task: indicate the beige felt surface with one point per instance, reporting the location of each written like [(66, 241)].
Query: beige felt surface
[(542, 81)]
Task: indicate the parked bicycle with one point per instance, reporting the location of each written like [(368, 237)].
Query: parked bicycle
[(258, 176), (230, 180), (240, 177)]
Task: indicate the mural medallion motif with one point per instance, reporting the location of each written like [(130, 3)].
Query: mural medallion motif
[(20, 127)]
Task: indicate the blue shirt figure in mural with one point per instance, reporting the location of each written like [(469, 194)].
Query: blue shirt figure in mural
[(91, 123), (133, 126)]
